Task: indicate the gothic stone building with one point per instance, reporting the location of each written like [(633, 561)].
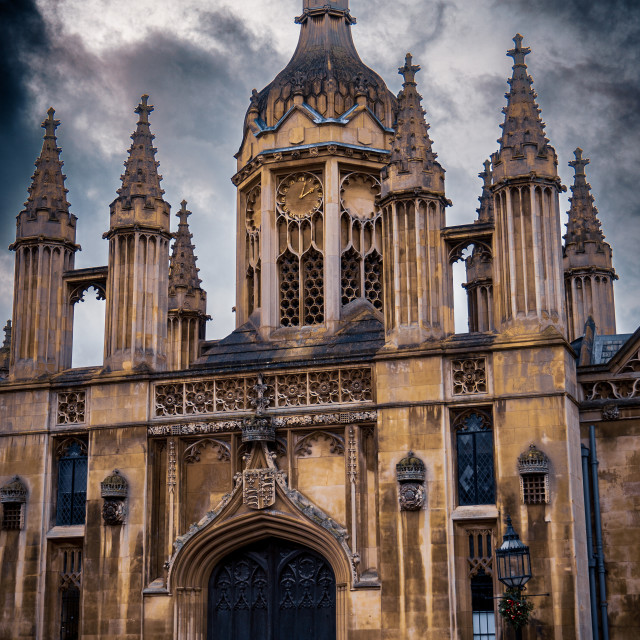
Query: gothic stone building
[(342, 464)]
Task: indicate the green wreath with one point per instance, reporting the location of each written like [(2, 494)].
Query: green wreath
[(515, 608)]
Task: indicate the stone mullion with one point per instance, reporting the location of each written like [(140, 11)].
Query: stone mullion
[(422, 264), (331, 245)]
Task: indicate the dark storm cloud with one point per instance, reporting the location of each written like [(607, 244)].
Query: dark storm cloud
[(200, 92), (23, 36)]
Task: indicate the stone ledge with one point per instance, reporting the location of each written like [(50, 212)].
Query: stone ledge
[(74, 531), (475, 512)]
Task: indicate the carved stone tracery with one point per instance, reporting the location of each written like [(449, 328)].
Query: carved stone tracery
[(71, 407), (329, 386), (193, 451), (304, 445), (469, 376)]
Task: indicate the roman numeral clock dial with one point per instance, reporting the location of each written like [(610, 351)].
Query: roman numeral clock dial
[(299, 195)]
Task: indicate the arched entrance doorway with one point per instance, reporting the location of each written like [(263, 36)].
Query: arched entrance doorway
[(271, 590)]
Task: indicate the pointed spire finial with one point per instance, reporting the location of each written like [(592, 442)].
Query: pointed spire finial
[(141, 177), (578, 166), (519, 52), (485, 212), (408, 72), (182, 266), (144, 109), (50, 125), (583, 224), (183, 214)]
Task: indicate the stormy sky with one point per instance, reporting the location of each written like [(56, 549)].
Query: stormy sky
[(199, 59)]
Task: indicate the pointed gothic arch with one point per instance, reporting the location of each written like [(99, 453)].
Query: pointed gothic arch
[(190, 573)]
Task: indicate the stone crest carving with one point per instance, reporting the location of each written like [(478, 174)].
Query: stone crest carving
[(113, 512), (411, 496), (114, 489), (259, 488), (611, 412), (410, 473)]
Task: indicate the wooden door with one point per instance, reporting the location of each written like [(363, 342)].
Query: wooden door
[(272, 590)]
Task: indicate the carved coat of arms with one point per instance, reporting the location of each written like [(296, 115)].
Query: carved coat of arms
[(259, 488)]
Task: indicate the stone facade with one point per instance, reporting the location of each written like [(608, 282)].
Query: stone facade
[(343, 417)]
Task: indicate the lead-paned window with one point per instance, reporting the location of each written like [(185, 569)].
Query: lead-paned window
[(474, 452), (72, 483)]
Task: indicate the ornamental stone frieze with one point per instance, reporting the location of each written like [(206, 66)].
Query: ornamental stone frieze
[(240, 393), (228, 426)]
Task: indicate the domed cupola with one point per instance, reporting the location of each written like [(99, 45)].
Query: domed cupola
[(325, 70)]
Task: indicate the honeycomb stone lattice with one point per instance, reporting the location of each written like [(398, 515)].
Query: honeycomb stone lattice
[(71, 407), (289, 290), (469, 376), (294, 389), (350, 280), (199, 397), (313, 288), (373, 279)]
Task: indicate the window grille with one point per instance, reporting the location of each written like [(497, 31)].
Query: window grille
[(72, 483), (350, 267), (12, 517), (474, 447), (533, 466), (289, 290), (313, 287), (373, 279)]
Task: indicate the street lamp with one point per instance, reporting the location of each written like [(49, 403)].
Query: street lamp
[(514, 571), (512, 557)]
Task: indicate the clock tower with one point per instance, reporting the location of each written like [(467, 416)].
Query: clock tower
[(309, 228)]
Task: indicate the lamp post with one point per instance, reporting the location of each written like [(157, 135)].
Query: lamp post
[(514, 564)]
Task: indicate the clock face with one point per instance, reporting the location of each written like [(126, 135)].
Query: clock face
[(300, 194), (358, 193), (253, 215)]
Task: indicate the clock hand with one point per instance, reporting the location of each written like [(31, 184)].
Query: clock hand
[(302, 193), (306, 193)]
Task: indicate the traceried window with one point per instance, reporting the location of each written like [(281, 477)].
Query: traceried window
[(72, 482), (70, 586), (300, 230), (480, 561), (474, 449), (360, 240)]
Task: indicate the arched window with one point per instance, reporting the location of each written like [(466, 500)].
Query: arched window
[(474, 449), (72, 482)]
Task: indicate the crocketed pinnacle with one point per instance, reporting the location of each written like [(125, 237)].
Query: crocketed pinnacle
[(485, 212), (412, 142), (522, 122), (182, 266), (583, 225), (47, 191), (141, 177)]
